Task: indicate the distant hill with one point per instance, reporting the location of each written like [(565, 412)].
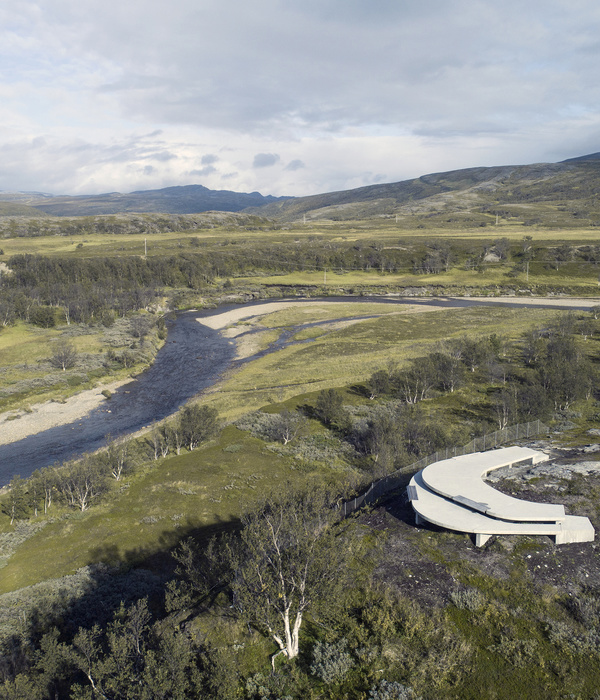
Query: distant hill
[(188, 199), (561, 194), (548, 193)]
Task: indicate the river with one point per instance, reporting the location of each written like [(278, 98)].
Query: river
[(192, 359)]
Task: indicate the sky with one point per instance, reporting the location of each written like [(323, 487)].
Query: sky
[(289, 97)]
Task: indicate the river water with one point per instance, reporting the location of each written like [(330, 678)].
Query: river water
[(192, 359)]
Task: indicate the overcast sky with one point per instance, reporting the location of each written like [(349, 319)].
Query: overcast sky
[(289, 97)]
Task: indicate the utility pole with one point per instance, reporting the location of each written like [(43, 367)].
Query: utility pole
[(527, 270), (145, 247), (324, 276)]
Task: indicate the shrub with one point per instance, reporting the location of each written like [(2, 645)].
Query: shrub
[(280, 427), (467, 599), (42, 316), (331, 662), (65, 355), (386, 690), (262, 687)]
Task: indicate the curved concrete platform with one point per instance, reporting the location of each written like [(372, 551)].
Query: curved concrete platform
[(451, 494), (460, 479)]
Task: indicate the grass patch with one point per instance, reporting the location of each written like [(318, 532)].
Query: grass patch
[(309, 313), (203, 492), (349, 355)]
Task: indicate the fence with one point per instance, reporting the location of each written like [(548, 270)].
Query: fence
[(480, 444)]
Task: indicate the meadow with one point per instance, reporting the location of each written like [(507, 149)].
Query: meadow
[(210, 487), (140, 519)]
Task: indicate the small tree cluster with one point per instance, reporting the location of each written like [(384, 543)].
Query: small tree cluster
[(195, 425), (438, 257), (82, 482), (395, 435), (442, 370), (277, 427), (554, 372), (130, 657), (78, 483)]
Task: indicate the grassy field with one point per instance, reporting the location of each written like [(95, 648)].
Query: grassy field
[(208, 488), (584, 278), (27, 376), (348, 355), (279, 243), (200, 492), (90, 245)]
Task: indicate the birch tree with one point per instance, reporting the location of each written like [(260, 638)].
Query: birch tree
[(286, 426), (81, 482), (288, 560), (198, 423), (117, 458), (65, 355), (15, 503)]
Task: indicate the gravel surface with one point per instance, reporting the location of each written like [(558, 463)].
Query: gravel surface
[(16, 425)]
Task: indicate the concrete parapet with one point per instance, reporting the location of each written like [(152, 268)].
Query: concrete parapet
[(451, 494)]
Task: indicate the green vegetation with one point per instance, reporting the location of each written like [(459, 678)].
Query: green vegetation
[(108, 566), (40, 364), (159, 492), (351, 354)]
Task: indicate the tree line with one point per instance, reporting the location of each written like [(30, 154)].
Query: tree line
[(81, 483), (147, 224), (87, 289)]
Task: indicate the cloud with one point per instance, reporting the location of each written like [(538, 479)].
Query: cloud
[(130, 95), (377, 63), (295, 164), (265, 160), (203, 172)]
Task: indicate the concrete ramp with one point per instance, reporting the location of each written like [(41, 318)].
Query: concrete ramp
[(452, 494)]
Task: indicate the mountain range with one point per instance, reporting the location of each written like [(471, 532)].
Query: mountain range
[(537, 190), (186, 199), (548, 193)]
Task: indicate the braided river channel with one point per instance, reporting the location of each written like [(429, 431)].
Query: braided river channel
[(193, 358)]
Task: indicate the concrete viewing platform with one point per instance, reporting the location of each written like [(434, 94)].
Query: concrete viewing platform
[(452, 494)]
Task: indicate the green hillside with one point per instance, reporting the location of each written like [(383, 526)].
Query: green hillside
[(553, 194)]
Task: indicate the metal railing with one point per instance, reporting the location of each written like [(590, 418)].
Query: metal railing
[(480, 444)]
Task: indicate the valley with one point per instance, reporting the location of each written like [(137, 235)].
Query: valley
[(351, 337)]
